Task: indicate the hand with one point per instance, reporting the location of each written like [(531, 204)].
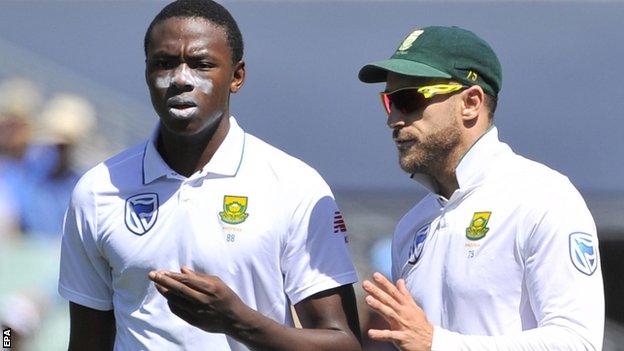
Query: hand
[(203, 301), (409, 328)]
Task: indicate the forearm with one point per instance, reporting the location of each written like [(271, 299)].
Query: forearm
[(259, 332), (91, 329), (545, 338), (77, 343)]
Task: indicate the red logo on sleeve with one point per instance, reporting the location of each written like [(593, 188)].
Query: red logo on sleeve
[(339, 223)]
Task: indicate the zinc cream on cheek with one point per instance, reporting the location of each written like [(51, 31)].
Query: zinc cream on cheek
[(186, 76)]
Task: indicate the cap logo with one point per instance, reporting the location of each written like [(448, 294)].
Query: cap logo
[(409, 41), (472, 76)]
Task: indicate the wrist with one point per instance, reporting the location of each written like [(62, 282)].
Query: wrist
[(243, 322)]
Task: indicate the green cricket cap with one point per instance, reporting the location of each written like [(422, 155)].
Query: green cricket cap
[(441, 52)]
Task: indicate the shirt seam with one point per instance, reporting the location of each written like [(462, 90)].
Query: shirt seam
[(74, 294), (328, 279)]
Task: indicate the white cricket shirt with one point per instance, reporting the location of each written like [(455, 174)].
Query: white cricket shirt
[(264, 222), (509, 262)]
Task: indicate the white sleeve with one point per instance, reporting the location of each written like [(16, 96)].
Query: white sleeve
[(85, 276), (316, 255), (563, 280)]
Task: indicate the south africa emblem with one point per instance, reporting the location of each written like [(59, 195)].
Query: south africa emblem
[(478, 226), (234, 209)]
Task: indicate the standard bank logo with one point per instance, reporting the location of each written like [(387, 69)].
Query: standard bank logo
[(583, 252), (141, 212), (417, 244)]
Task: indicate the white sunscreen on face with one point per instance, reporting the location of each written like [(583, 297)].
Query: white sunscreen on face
[(188, 77), (164, 82), (204, 84)]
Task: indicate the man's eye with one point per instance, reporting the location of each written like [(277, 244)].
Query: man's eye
[(163, 64), (204, 65)]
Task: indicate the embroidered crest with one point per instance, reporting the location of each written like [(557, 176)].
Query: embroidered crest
[(583, 252), (234, 209), (409, 41), (141, 212), (478, 226)]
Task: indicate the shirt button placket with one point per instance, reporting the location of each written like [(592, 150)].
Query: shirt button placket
[(184, 193)]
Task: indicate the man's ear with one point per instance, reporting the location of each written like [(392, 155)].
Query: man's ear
[(238, 77), (472, 103)]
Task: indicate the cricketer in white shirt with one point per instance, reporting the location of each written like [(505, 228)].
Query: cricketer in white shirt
[(262, 221), (509, 262)]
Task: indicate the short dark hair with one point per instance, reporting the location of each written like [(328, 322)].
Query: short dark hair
[(208, 10), (490, 102)]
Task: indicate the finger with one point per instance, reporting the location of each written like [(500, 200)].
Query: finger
[(187, 270), (387, 286), (207, 284), (175, 275), (407, 295), (161, 289), (380, 295), (176, 287), (385, 335), (389, 314), (402, 287)]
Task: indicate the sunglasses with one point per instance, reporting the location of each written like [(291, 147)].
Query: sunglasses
[(409, 99)]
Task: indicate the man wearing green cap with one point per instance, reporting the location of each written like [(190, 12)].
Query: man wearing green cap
[(502, 254)]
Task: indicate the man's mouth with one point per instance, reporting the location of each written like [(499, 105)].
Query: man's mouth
[(181, 107), (182, 112), (404, 143)]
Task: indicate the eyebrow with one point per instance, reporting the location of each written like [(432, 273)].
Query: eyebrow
[(193, 55)]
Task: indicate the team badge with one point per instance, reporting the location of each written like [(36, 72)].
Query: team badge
[(417, 244), (141, 212), (478, 226), (583, 252), (234, 209)]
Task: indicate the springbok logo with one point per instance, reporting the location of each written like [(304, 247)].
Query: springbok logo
[(141, 212), (409, 41), (234, 209), (478, 225), (583, 253)]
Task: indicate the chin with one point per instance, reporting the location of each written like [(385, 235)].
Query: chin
[(196, 127), (411, 163)]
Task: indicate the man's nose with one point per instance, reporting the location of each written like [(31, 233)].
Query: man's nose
[(183, 77), (395, 119)]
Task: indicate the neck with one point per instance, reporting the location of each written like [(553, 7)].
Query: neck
[(187, 154), (444, 172)]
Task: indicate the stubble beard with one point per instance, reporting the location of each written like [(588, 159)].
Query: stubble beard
[(431, 152)]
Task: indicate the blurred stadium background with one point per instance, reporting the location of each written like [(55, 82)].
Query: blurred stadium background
[(561, 104)]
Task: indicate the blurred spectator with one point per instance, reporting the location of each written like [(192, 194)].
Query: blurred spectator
[(65, 120), (22, 314), (380, 254), (19, 101)]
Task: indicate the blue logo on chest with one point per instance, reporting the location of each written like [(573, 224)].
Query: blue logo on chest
[(141, 212), (417, 244)]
